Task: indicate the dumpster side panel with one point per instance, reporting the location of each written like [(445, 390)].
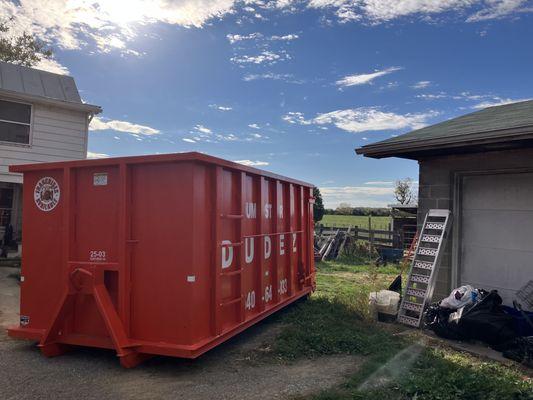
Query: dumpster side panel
[(161, 257), (42, 266), (94, 238), (200, 278)]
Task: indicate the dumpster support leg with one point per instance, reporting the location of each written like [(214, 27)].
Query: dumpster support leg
[(91, 282)]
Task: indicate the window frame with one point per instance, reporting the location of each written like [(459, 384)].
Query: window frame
[(30, 136)]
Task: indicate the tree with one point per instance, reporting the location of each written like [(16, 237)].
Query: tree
[(318, 207), (24, 49), (403, 192)]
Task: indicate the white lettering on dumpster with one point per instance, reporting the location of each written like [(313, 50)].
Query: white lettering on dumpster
[(250, 300), (268, 210), (227, 254), (97, 255), (46, 194), (294, 242), (281, 245), (250, 210), (249, 248), (268, 247), (268, 293)]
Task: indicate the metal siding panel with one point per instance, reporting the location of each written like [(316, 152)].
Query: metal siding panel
[(11, 78), (69, 89), (32, 82), (52, 86)]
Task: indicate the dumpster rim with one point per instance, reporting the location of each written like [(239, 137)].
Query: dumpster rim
[(154, 158)]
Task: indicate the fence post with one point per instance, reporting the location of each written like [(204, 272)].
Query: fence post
[(370, 234)]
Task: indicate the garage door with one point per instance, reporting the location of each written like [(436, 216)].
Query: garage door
[(497, 232)]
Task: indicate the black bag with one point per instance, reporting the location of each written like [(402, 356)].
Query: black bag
[(486, 321)]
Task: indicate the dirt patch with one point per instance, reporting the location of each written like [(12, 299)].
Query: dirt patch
[(231, 371)]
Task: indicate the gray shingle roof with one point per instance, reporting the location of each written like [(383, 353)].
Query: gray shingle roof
[(34, 82), (489, 123)]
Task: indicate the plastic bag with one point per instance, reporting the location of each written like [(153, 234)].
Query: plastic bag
[(460, 297)]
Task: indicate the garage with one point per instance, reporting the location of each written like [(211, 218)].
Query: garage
[(496, 242), (480, 167)]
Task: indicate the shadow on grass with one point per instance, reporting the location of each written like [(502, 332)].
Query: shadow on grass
[(395, 367)]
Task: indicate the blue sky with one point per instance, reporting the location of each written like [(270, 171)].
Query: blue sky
[(289, 86)]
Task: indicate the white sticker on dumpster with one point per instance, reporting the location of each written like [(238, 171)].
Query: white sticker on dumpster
[(24, 320), (46, 194), (100, 179)]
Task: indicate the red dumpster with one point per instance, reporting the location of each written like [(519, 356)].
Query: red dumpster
[(166, 254)]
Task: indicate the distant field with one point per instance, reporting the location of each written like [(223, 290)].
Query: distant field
[(355, 220)]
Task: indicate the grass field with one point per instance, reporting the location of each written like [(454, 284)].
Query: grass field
[(335, 321), (356, 220)]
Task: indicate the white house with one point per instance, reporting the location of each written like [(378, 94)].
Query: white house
[(42, 118)]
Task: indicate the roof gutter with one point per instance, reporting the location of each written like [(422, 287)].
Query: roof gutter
[(414, 149), (87, 108)]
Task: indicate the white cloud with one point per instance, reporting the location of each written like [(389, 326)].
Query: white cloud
[(93, 155), (379, 183), (107, 24), (254, 126), (497, 9), (363, 79), (421, 84), (497, 101), (380, 11), (272, 76), (295, 117), (266, 56), (203, 129), (289, 37), (188, 140), (220, 108), (234, 38), (251, 163), (363, 119), (112, 25), (357, 196), (98, 124), (52, 65)]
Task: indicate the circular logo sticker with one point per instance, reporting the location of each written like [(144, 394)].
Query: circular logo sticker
[(46, 193)]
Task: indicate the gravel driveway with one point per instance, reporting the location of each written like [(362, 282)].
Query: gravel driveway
[(228, 372)]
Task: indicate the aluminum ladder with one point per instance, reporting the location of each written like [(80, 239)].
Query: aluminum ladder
[(424, 267)]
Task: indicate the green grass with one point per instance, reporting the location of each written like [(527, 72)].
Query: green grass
[(355, 220), (334, 321)]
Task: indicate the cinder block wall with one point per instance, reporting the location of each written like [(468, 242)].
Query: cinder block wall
[(436, 190)]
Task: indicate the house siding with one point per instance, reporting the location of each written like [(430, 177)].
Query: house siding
[(437, 190), (57, 135)]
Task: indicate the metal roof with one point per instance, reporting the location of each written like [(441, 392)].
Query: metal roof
[(33, 84), (498, 124)]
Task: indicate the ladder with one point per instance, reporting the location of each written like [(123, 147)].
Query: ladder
[(423, 273)]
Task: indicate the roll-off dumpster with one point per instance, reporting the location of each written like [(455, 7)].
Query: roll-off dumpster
[(165, 254)]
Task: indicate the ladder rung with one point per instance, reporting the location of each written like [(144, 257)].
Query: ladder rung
[(435, 225), (404, 319), (420, 278), (426, 251), (416, 292), (431, 238), (423, 265), (408, 305)]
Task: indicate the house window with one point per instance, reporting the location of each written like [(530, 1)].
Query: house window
[(15, 121)]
